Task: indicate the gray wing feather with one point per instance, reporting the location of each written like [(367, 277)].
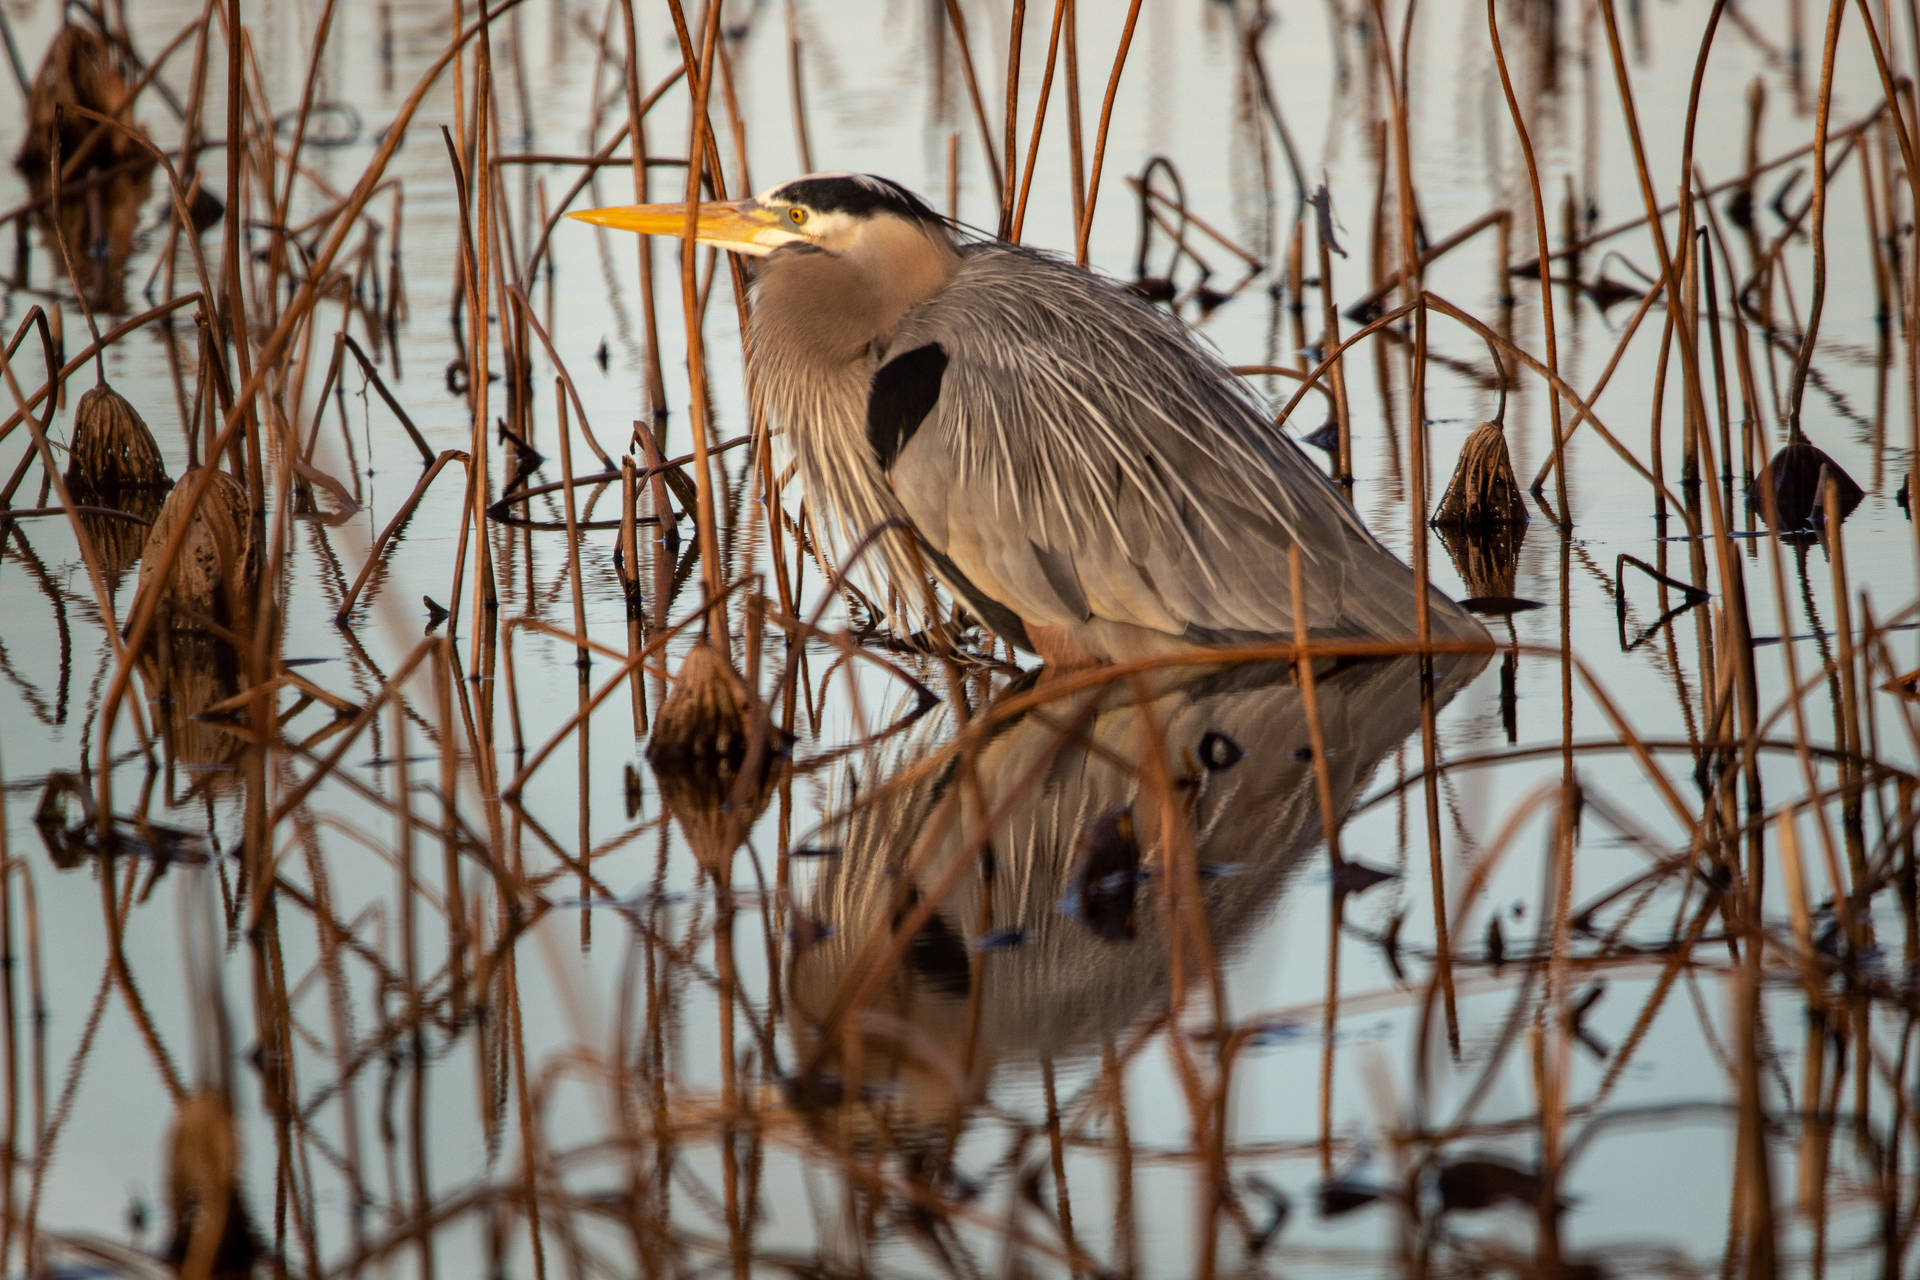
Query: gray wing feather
[(1149, 486)]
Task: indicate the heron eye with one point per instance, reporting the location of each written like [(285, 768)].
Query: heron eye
[(798, 215)]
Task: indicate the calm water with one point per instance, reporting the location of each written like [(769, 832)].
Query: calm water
[(1028, 1057)]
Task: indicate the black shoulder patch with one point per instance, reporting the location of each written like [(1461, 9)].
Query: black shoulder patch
[(904, 392), (937, 953)]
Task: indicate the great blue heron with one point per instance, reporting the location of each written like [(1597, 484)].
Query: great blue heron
[(1088, 478)]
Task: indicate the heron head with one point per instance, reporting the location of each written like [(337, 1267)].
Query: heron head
[(830, 212)]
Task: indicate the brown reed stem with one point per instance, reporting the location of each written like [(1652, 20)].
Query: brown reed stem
[(1085, 225), (1562, 505), (1823, 107), (698, 159), (1039, 122)]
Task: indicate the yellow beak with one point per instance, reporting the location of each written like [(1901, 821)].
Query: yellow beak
[(739, 225)]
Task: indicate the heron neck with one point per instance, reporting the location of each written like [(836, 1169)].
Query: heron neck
[(830, 309)]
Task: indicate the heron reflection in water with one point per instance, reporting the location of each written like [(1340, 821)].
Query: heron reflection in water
[(1062, 945), (1091, 481)]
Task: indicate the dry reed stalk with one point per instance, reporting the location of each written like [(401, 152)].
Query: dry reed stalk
[(574, 549), (643, 250), (400, 517), (953, 175), (270, 352), (1013, 231), (1823, 106), (1330, 322), (89, 554), (1464, 902), (476, 227), (1329, 826), (23, 408), (1564, 510), (1842, 901), (1016, 31), (1113, 1089), (957, 20), (1743, 357), (1076, 160), (630, 581), (1753, 1179), (700, 157), (628, 664), (797, 96), (1084, 217), (372, 374), (1852, 747), (10, 1115), (1362, 308), (1594, 239), (1722, 414)]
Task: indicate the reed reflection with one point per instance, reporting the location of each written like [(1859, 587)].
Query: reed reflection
[(1052, 862)]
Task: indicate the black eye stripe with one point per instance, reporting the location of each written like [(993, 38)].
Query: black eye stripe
[(856, 194)]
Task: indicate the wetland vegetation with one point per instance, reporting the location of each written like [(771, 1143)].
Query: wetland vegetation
[(464, 814)]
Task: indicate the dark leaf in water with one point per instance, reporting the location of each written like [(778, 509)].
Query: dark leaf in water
[(1779, 202), (1390, 947), (1153, 288), (530, 457), (1606, 293), (1484, 1183), (812, 1090), (1593, 1044), (1496, 944), (814, 851), (1106, 874), (1268, 1034), (1209, 299), (1500, 606), (1740, 209), (1325, 437), (1002, 939), (1796, 477), (1279, 1208), (805, 931), (1340, 1196), (632, 790), (601, 357), (1357, 877), (204, 208), (1218, 751)]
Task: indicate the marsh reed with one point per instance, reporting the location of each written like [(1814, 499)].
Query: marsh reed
[(641, 902)]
